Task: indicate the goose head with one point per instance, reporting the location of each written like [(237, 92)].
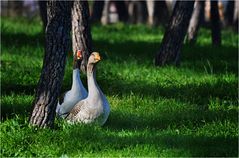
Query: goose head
[(77, 59), (93, 60)]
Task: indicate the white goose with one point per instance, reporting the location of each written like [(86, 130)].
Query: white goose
[(95, 108), (78, 92)]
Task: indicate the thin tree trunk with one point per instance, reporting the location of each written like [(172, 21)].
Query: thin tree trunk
[(215, 24), (57, 45), (161, 13), (15, 8), (195, 21), (151, 10), (141, 12), (229, 12), (97, 11), (81, 35), (43, 13), (175, 33), (236, 15), (122, 11), (137, 11), (105, 19)]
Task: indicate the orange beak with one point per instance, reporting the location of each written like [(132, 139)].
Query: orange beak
[(97, 57), (78, 54)]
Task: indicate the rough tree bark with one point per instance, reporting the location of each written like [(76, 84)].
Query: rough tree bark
[(97, 11), (81, 35), (175, 33), (215, 24), (195, 21), (43, 13), (57, 45)]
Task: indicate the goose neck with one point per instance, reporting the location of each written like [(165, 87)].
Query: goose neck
[(91, 80), (76, 82)]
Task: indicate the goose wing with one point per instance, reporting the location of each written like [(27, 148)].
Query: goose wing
[(76, 109)]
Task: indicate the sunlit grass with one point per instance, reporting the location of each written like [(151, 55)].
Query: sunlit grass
[(186, 111)]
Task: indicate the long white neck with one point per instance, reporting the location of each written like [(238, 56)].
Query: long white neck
[(76, 81), (93, 88)]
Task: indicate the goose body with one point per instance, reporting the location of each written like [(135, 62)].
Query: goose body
[(95, 108), (78, 92)]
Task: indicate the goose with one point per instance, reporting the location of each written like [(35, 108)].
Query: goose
[(78, 92), (95, 108)]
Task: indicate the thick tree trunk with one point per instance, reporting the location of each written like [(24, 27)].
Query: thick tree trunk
[(43, 13), (175, 33), (195, 21), (97, 11), (57, 45), (81, 35), (122, 11), (215, 24)]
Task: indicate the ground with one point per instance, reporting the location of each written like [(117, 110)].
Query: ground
[(191, 110)]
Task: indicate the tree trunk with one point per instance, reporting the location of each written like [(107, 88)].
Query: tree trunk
[(97, 11), (105, 19), (175, 33), (161, 13), (229, 12), (81, 35), (43, 13), (195, 21), (215, 24), (122, 11), (236, 15), (151, 10), (15, 8), (137, 11), (57, 45)]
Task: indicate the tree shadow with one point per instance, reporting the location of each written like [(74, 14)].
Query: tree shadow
[(197, 57), (193, 93), (98, 140), (221, 59), (21, 39)]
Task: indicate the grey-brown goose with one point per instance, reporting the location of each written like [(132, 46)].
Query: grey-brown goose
[(95, 108), (78, 92)]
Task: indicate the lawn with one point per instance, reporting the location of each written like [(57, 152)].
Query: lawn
[(185, 111)]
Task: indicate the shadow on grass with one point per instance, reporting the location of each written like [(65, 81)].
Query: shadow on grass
[(220, 58), (198, 95), (193, 93), (163, 120), (22, 39), (96, 141)]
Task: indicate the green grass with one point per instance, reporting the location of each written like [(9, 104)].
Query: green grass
[(187, 111)]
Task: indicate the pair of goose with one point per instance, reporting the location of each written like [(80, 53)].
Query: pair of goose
[(76, 105)]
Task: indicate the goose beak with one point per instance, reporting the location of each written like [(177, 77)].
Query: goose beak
[(78, 54), (97, 57)]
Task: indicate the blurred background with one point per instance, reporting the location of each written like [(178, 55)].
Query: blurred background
[(153, 13)]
